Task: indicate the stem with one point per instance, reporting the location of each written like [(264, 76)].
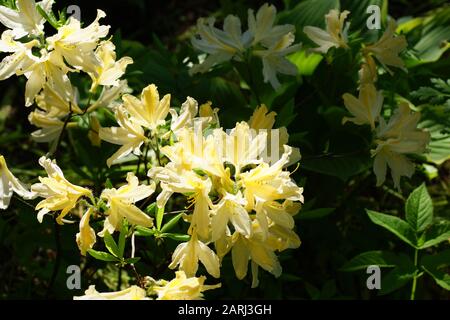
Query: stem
[(58, 257), (413, 289), (66, 122)]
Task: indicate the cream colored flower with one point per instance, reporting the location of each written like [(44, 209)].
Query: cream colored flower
[(262, 29), (335, 34), (220, 45), (231, 208), (86, 237), (195, 187), (366, 108), (129, 135), (26, 20), (255, 249), (185, 119), (132, 293), (59, 194), (77, 45), (149, 111), (109, 71), (120, 203), (274, 59), (50, 127), (182, 288), (395, 140), (388, 47), (187, 255), (9, 184)]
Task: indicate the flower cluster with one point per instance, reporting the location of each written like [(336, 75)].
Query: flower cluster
[(48, 61), (264, 39)]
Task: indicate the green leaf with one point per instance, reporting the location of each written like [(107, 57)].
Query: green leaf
[(144, 232), (440, 141), (383, 259), (122, 237), (132, 260), (306, 63), (172, 223), (50, 17), (103, 256), (437, 233), (111, 244), (396, 279), (314, 214), (395, 225), (159, 217), (432, 264), (151, 209), (419, 208)]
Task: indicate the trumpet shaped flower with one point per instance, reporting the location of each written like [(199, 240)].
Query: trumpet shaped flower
[(187, 255), (149, 111), (399, 137), (86, 237), (26, 20), (182, 287), (77, 45), (366, 108), (120, 203), (335, 34), (59, 194), (129, 135), (9, 184), (387, 48)]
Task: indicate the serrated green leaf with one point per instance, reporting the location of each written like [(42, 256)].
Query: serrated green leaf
[(419, 208), (432, 264), (103, 256), (383, 259), (395, 225)]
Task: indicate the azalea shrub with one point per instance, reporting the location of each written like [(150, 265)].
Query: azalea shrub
[(243, 150)]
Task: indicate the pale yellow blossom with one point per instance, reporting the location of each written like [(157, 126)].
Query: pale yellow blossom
[(366, 108), (59, 194), (182, 287), (86, 237), (132, 293)]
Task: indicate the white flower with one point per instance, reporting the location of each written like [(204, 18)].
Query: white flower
[(395, 140), (26, 20), (366, 108), (9, 184), (335, 34)]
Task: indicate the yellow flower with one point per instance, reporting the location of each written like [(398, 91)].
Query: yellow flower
[(94, 132), (255, 249), (59, 194), (335, 34), (26, 20), (132, 293), (76, 45), (231, 208), (187, 255), (109, 71), (129, 135), (368, 72), (149, 111), (182, 288), (366, 108), (395, 139), (388, 47), (120, 204), (86, 237), (270, 183), (9, 184), (189, 183), (262, 118), (186, 117)]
